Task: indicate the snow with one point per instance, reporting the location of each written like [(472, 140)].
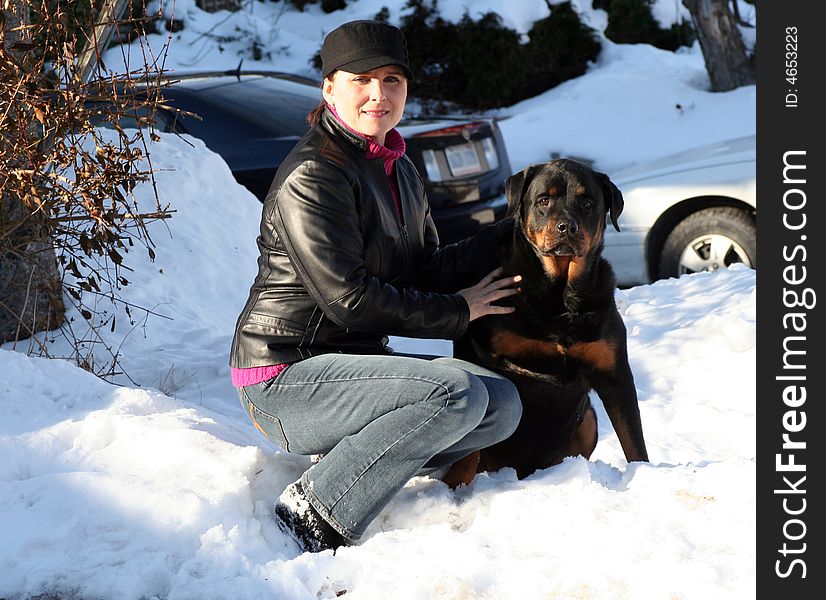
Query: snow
[(669, 12), (155, 485), (636, 103)]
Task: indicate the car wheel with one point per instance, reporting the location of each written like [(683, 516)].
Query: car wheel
[(707, 240)]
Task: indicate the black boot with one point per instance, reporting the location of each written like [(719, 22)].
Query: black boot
[(297, 518)]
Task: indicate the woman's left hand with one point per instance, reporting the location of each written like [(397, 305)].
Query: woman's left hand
[(480, 297)]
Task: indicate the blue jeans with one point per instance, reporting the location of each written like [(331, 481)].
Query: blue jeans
[(378, 420)]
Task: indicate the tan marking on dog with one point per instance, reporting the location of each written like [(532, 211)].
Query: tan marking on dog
[(601, 354), (553, 191), (534, 233), (584, 439), (578, 265), (590, 240), (508, 343), (462, 471), (597, 238), (580, 190), (577, 268), (556, 266)]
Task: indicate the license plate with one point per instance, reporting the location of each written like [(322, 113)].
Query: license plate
[(484, 217), (463, 160)]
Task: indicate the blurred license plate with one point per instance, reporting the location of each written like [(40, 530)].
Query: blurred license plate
[(463, 160), (484, 217)]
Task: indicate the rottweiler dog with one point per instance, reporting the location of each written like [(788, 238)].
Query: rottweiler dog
[(566, 336)]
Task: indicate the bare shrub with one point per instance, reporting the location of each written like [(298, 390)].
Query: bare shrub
[(67, 190)]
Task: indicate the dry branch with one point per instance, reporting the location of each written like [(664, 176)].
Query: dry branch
[(66, 185)]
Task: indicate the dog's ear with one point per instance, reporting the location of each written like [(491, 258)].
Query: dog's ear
[(613, 198), (514, 188)]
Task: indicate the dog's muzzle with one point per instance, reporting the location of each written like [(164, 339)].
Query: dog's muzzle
[(562, 249), (562, 239)]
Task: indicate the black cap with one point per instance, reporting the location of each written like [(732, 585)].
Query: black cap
[(361, 46)]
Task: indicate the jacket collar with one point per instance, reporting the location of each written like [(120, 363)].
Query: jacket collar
[(336, 127), (394, 144)]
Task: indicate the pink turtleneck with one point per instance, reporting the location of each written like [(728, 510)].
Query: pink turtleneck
[(392, 150)]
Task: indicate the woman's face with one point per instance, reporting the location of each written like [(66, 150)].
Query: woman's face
[(372, 103)]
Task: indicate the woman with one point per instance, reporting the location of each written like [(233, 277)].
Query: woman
[(349, 255)]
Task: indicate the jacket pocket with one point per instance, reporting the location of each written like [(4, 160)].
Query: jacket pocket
[(276, 324)]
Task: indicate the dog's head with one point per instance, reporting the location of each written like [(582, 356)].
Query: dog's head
[(562, 207)]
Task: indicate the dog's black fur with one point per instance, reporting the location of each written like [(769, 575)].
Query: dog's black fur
[(566, 335)]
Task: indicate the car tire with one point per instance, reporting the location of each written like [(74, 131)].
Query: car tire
[(708, 240)]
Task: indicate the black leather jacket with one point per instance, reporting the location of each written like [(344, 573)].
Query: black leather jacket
[(338, 269)]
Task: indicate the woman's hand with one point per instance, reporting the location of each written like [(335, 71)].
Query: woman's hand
[(480, 297)]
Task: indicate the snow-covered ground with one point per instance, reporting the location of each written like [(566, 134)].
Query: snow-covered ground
[(157, 486)]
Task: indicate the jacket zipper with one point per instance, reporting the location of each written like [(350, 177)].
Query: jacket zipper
[(406, 249), (402, 224), (400, 220)]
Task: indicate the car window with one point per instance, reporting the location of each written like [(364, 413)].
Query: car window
[(130, 118), (257, 107)]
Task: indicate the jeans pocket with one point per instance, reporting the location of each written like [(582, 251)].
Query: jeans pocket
[(264, 422)]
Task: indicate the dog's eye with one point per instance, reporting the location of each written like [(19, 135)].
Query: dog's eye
[(543, 200), (587, 205)]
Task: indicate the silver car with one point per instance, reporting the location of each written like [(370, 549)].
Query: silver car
[(693, 211)]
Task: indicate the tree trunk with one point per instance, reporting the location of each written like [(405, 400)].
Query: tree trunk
[(30, 287), (727, 62)]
